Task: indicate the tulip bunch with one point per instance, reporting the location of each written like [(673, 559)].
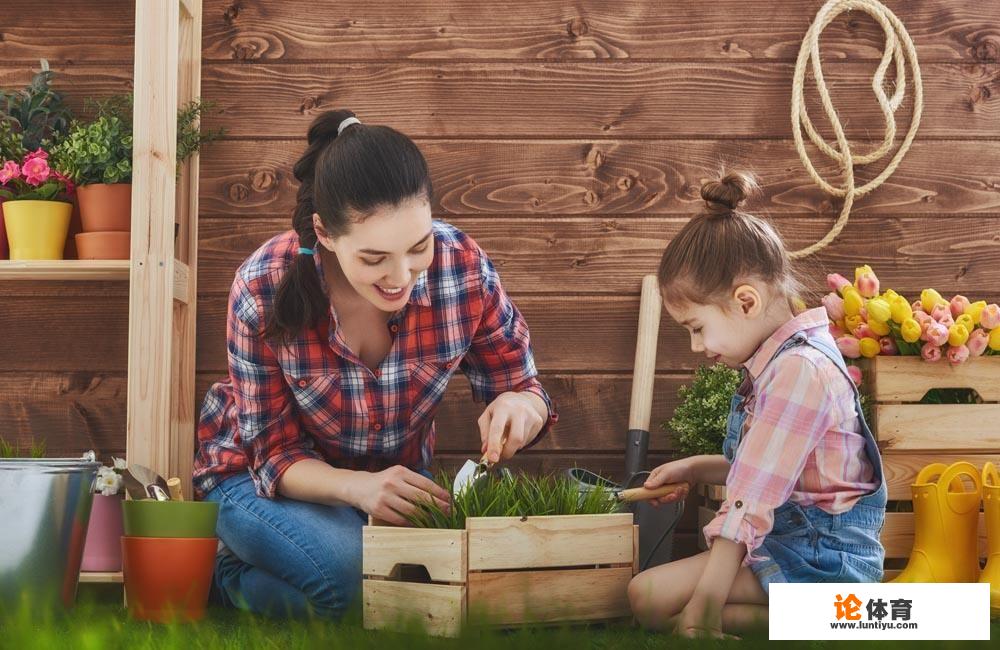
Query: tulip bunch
[(866, 322)]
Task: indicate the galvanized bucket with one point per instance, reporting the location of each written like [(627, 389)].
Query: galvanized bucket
[(44, 510)]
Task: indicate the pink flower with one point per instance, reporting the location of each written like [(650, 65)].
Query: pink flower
[(863, 331), (947, 321), (917, 306), (936, 334), (36, 154), (836, 282), (922, 317), (958, 305), (70, 187), (990, 318), (849, 346), (958, 354), (930, 352), (977, 342), (10, 170), (855, 374), (36, 171), (888, 346), (836, 331), (867, 285), (834, 306), (940, 312)]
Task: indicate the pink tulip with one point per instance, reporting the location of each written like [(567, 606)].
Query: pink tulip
[(36, 171), (10, 170), (958, 305), (936, 334), (922, 317), (834, 306), (888, 346), (930, 352), (958, 354), (947, 321), (836, 282), (977, 342), (855, 374), (849, 346), (917, 306), (865, 332), (836, 331), (941, 311), (990, 318)]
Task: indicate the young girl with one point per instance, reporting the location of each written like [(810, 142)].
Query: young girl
[(805, 495)]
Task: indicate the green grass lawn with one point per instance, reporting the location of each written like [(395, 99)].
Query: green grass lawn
[(99, 622)]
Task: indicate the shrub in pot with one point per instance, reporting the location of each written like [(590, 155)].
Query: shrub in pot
[(36, 208)]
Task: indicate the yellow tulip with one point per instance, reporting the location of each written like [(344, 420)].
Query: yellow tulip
[(975, 311), (870, 348), (967, 321), (853, 302), (901, 309), (878, 310), (853, 322), (995, 340), (861, 270), (878, 327), (929, 299), (888, 295), (957, 335), (910, 329)]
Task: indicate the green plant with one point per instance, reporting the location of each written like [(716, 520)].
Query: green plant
[(700, 419), (10, 142), (516, 496), (8, 450), (35, 114)]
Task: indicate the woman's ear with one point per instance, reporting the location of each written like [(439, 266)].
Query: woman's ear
[(749, 300), (321, 234)]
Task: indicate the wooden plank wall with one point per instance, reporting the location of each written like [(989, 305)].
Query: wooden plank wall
[(569, 139)]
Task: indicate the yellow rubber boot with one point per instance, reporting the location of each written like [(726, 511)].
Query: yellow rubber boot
[(991, 508), (946, 522)]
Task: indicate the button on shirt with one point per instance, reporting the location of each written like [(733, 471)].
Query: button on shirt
[(802, 439), (314, 398)]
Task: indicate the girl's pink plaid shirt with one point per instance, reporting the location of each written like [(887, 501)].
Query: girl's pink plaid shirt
[(314, 398)]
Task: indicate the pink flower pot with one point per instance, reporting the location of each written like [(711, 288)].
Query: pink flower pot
[(103, 550)]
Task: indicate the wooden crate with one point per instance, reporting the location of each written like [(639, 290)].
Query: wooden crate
[(504, 571)]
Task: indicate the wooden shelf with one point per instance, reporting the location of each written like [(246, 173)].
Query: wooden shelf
[(101, 577), (117, 270)]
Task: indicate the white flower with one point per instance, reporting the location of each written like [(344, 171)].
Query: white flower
[(120, 463), (109, 484)]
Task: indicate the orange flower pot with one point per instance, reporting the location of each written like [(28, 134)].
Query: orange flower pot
[(167, 579), (105, 207), (102, 245)]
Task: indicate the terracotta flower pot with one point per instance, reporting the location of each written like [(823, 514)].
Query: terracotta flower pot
[(36, 230), (105, 207), (103, 245), (167, 579), (103, 550)]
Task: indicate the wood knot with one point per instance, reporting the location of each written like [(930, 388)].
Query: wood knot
[(244, 52), (609, 225), (577, 27), (262, 180), (624, 183), (231, 13), (308, 103), (595, 158), (978, 95), (987, 51), (238, 192), (589, 197)]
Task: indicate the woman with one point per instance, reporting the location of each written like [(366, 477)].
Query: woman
[(342, 336)]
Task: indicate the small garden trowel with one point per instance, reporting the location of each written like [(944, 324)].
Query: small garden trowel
[(472, 471)]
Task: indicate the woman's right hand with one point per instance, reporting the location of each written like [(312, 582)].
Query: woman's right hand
[(676, 471), (391, 495)]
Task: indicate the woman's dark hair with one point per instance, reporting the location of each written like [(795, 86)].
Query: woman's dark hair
[(724, 244), (343, 178)]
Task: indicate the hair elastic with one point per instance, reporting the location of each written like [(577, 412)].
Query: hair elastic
[(305, 251), (346, 123)]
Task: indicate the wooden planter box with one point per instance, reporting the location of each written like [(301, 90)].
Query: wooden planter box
[(912, 436), (503, 571)]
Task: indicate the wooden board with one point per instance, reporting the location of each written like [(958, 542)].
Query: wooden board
[(705, 515), (907, 379), (497, 543), (441, 552), (897, 535), (901, 469), (438, 609), (538, 597), (938, 427)]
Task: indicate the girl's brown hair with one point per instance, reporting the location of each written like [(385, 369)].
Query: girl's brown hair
[(723, 245)]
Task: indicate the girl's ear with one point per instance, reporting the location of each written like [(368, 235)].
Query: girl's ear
[(749, 300), (321, 234)]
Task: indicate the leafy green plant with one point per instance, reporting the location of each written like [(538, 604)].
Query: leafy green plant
[(35, 114), (700, 419), (8, 450), (516, 496)]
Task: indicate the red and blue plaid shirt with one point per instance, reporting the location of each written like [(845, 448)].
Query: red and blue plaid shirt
[(314, 398)]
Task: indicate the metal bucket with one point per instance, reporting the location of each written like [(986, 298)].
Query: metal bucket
[(44, 510)]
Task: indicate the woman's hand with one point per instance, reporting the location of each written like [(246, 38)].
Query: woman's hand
[(683, 470), (520, 415), (392, 494)]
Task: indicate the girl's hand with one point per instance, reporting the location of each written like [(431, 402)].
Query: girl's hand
[(677, 471), (391, 495), (520, 415)]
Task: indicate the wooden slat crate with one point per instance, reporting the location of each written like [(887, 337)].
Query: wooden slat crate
[(501, 571)]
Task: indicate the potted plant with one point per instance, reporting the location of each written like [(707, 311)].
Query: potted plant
[(103, 549), (36, 208), (97, 155), (29, 118), (700, 419)]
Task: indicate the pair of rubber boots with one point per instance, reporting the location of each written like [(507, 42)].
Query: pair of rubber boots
[(946, 527)]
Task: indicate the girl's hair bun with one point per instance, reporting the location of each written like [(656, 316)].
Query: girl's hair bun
[(728, 193)]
